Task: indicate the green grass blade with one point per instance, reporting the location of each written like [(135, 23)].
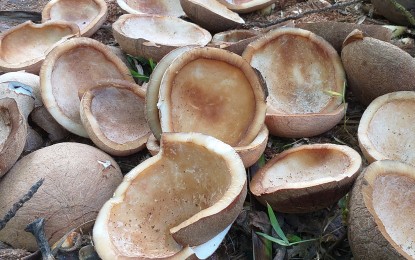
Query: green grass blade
[(152, 64), (302, 241), (135, 74), (275, 225), (273, 239)]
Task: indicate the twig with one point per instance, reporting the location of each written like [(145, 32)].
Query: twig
[(37, 228), (295, 17), (16, 206)]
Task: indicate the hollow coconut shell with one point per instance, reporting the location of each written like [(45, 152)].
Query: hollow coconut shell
[(89, 15), (22, 93), (387, 128), (25, 46), (249, 153), (375, 68), (307, 178), (29, 79), (158, 35), (198, 184), (78, 180), (13, 131), (301, 69), (381, 212), (112, 113), (246, 6), (69, 70), (211, 15), (234, 40), (400, 12), (207, 87), (157, 7)]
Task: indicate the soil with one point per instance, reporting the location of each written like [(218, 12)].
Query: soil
[(327, 226)]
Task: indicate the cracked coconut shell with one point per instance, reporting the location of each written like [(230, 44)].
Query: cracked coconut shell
[(182, 197), (78, 179), (157, 7), (381, 212)]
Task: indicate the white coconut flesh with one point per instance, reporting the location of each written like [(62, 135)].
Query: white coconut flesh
[(392, 130), (5, 126), (165, 31), (119, 114), (31, 42), (160, 7), (168, 192), (220, 9), (298, 72), (69, 10), (393, 200), (304, 166), (74, 72), (206, 93)]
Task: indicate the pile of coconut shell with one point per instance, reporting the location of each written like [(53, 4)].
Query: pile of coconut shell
[(216, 95)]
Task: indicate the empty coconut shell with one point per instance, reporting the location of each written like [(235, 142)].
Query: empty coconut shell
[(157, 7), (246, 6), (89, 15), (375, 67), (112, 113), (25, 46), (307, 178), (78, 179), (71, 69), (207, 87), (387, 128), (158, 35), (381, 212), (234, 40), (397, 11), (301, 69), (183, 196)]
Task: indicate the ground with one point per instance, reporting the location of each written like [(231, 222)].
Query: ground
[(328, 226)]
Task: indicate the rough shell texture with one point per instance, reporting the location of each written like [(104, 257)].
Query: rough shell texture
[(21, 93), (198, 184), (300, 69), (234, 40), (397, 11), (13, 131), (387, 128), (25, 46), (209, 86), (74, 189), (246, 6), (28, 79), (89, 15), (377, 223), (69, 70), (112, 113), (211, 15), (158, 7), (158, 35), (42, 118), (307, 178), (375, 68)]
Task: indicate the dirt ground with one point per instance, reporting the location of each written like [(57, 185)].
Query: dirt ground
[(328, 226)]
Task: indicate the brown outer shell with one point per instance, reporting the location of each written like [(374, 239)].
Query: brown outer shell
[(368, 149), (375, 68), (301, 197), (258, 87), (48, 69), (391, 11), (33, 65), (76, 185), (244, 37), (150, 49), (92, 26), (212, 16), (15, 142), (29, 79), (367, 236), (161, 7), (200, 227), (92, 125), (246, 6)]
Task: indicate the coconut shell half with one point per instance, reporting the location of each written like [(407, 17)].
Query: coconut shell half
[(307, 178), (89, 15), (78, 179), (234, 40), (183, 196), (207, 87), (246, 6), (301, 70), (156, 7), (69, 71), (158, 35), (381, 212), (387, 128), (112, 113), (25, 46), (13, 131)]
